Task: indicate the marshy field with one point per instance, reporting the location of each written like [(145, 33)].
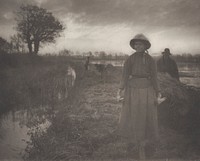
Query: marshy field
[(52, 109)]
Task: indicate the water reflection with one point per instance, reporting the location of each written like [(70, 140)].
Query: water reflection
[(190, 73), (13, 138), (113, 62), (17, 126), (14, 129), (191, 81)]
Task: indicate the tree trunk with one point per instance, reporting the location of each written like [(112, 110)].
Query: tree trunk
[(36, 47), (30, 47)]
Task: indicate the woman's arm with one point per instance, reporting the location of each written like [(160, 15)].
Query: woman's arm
[(125, 74)]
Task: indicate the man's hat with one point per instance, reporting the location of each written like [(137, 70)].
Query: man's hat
[(140, 37), (166, 51)]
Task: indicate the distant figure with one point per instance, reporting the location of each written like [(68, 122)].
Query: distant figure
[(71, 76), (69, 81), (100, 68), (167, 65), (87, 62)]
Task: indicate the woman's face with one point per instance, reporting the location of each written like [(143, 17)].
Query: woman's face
[(140, 46)]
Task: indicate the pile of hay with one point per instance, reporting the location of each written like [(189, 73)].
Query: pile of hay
[(181, 109)]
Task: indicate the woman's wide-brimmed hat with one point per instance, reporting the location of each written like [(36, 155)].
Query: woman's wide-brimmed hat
[(166, 51), (140, 37)]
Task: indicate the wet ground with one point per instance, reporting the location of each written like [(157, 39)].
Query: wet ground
[(13, 138)]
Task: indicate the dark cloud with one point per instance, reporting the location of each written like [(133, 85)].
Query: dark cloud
[(135, 12), (103, 12), (8, 9), (5, 8), (7, 15), (153, 16)]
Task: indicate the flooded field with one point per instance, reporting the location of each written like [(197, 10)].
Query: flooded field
[(191, 72)]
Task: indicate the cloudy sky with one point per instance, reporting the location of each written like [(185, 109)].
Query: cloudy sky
[(108, 25)]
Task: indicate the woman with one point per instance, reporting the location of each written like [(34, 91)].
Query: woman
[(138, 120)]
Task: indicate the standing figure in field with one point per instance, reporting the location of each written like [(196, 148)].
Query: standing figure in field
[(69, 80), (167, 65), (71, 76), (87, 62), (138, 120)]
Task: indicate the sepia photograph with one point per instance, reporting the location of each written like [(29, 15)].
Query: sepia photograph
[(99, 80)]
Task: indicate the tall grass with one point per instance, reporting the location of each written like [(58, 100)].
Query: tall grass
[(29, 82)]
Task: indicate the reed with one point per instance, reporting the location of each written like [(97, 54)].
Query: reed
[(31, 82)]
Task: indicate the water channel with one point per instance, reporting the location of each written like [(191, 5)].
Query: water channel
[(16, 126)]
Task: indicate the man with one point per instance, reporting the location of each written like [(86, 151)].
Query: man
[(167, 65), (87, 62)]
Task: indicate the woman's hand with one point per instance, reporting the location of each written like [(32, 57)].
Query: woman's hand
[(120, 95), (160, 98), (159, 95)]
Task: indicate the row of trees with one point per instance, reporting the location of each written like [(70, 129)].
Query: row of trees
[(96, 54), (15, 45), (186, 57), (35, 26)]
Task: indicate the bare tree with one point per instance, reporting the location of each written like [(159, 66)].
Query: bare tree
[(36, 25)]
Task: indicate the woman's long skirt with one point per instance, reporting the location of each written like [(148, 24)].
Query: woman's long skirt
[(138, 120)]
